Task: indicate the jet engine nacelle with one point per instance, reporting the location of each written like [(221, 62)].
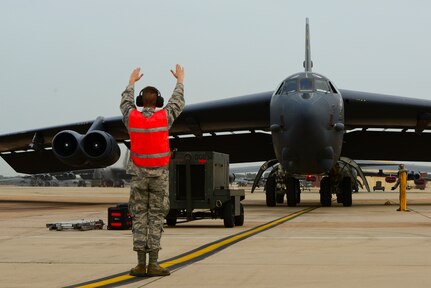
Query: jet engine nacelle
[(413, 176), (44, 177), (66, 147), (96, 147), (100, 147), (70, 175)]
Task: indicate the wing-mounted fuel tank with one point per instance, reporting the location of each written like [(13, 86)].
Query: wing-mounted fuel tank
[(96, 147)]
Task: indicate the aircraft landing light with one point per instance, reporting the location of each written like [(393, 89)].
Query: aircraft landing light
[(192, 256)]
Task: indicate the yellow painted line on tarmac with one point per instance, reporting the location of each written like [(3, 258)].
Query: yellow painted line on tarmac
[(115, 280), (192, 256), (231, 239)]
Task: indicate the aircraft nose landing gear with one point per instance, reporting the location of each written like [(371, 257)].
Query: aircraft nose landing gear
[(325, 192), (277, 185), (293, 191), (343, 189)]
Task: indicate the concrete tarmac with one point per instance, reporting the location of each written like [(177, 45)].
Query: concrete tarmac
[(367, 245)]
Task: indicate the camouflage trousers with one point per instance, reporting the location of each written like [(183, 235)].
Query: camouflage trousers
[(148, 205)]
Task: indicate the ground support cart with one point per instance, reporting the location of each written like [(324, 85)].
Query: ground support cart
[(199, 188)]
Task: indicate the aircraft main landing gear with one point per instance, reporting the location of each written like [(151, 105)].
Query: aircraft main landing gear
[(270, 187), (346, 191), (325, 192), (343, 190)]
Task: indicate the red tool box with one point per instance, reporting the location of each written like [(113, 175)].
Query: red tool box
[(119, 217)]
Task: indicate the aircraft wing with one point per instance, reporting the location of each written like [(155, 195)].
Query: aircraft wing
[(240, 121), (369, 110), (237, 126), (43, 137), (197, 128), (362, 111)]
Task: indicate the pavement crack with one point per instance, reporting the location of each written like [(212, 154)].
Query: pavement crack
[(419, 213)]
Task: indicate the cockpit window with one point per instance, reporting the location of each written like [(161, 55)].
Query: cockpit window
[(289, 86), (321, 86), (306, 84)]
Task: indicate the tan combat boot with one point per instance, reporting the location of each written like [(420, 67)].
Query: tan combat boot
[(139, 271), (156, 270)]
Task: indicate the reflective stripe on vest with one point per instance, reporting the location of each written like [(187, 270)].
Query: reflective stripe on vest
[(150, 155), (149, 139), (148, 130)]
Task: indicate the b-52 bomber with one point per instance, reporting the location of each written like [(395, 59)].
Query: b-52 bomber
[(306, 124)]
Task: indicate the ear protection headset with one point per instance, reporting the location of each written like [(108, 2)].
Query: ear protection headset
[(159, 101)]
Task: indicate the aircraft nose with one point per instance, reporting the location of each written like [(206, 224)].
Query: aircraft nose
[(313, 160), (307, 147)]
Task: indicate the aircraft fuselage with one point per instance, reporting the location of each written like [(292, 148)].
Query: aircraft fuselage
[(307, 124)]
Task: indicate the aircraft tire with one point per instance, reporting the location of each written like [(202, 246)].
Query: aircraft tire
[(325, 192), (346, 188), (109, 183), (298, 191), (228, 214), (239, 219), (171, 221), (291, 192), (270, 191), (171, 218), (279, 198)]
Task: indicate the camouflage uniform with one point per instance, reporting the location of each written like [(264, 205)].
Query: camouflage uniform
[(149, 193)]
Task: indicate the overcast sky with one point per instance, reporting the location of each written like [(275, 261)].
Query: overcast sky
[(67, 61)]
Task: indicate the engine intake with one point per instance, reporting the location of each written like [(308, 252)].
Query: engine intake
[(100, 147), (96, 148), (66, 147), (413, 176)]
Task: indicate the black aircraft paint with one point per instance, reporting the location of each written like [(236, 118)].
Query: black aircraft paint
[(307, 120), (307, 124)]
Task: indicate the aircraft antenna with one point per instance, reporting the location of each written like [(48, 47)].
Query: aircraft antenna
[(308, 64)]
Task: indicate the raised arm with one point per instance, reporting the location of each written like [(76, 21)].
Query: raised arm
[(176, 103), (127, 97), (179, 73)]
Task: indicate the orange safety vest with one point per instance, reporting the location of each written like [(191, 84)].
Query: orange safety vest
[(149, 139)]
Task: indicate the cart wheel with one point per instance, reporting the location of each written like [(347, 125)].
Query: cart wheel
[(171, 218), (239, 220), (228, 214), (171, 221)]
